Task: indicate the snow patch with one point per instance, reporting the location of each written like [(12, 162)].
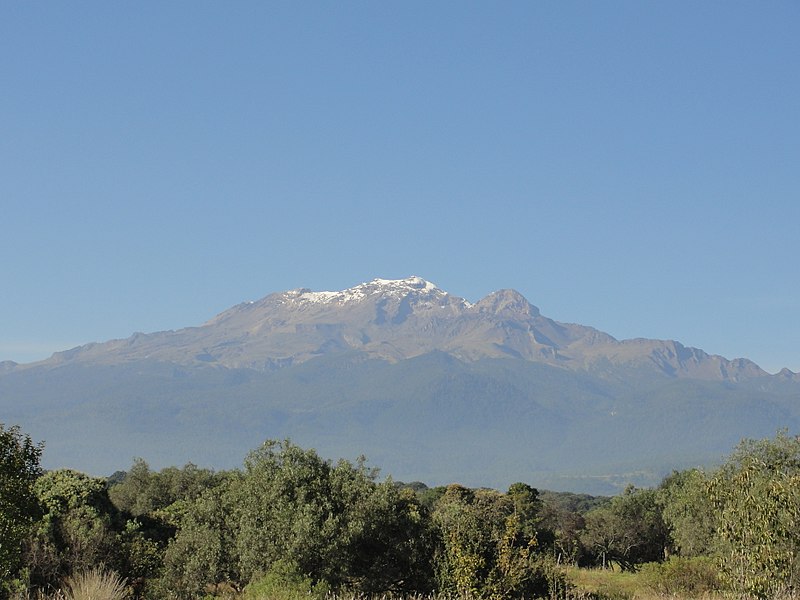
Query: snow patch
[(392, 287)]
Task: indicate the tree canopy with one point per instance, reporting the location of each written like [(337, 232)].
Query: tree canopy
[(19, 470)]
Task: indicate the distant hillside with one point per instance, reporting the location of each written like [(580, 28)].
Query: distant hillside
[(427, 385)]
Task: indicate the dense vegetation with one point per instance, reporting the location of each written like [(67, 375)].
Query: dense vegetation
[(290, 520)]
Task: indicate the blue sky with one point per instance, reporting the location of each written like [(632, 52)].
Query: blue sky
[(633, 166)]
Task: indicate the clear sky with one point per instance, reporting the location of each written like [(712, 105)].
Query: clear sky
[(633, 166)]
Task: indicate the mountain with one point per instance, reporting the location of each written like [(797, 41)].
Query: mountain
[(427, 384), (396, 320)]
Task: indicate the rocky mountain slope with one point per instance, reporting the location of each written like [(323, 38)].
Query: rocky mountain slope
[(426, 384)]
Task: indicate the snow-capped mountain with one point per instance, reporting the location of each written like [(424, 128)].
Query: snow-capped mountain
[(396, 320)]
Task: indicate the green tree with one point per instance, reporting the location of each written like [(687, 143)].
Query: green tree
[(465, 558), (561, 530), (527, 507), (202, 552), (629, 530), (757, 496), (134, 493), (488, 544), (145, 492), (77, 529), (391, 539), (142, 556), (688, 513), (153, 506), (333, 524), (19, 469), (285, 510)]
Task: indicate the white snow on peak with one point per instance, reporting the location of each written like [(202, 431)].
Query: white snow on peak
[(414, 282), (376, 286)]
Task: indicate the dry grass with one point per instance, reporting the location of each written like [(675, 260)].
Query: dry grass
[(95, 584)]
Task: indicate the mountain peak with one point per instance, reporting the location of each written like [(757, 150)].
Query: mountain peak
[(508, 302), (413, 282), (392, 287), (7, 366)]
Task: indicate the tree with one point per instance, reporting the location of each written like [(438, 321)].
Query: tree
[(201, 553), (527, 507), (285, 511), (391, 536), (629, 530), (19, 469), (77, 530), (488, 544), (145, 492), (688, 513), (561, 530), (155, 505), (756, 493), (332, 524)]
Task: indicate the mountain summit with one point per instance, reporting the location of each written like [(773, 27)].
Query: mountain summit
[(399, 319)]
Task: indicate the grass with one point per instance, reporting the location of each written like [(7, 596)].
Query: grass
[(613, 584), (95, 584), (678, 578), (605, 583)]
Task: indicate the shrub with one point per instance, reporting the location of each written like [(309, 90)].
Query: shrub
[(681, 576), (95, 584), (284, 582)]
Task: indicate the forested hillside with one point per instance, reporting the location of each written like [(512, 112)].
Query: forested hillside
[(292, 522)]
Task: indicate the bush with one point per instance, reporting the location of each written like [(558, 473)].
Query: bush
[(682, 576), (284, 582)]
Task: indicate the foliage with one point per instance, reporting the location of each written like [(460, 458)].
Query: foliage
[(200, 555), (284, 582), (286, 511), (391, 538), (561, 525), (682, 577), (688, 513), (292, 525), (165, 540), (757, 495), (19, 468), (76, 531), (560, 529), (334, 523), (489, 546), (428, 497), (145, 492), (142, 556), (629, 530), (572, 502)]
